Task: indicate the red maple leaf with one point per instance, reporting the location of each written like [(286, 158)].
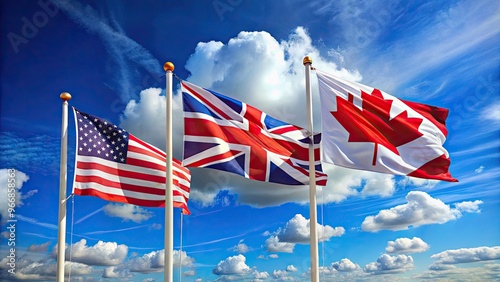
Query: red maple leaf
[(374, 124)]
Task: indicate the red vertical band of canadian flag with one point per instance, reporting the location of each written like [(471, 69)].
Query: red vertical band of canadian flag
[(116, 166), (367, 129)]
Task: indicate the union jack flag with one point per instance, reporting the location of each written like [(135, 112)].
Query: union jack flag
[(225, 134)]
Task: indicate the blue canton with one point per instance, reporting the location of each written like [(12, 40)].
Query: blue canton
[(102, 139)]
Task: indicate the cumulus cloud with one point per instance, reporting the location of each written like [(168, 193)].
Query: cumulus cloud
[(325, 271), (127, 212), (281, 275), (344, 183), (234, 265), (421, 183), (260, 275), (291, 268), (16, 179), (380, 185), (102, 253), (109, 272), (116, 272), (42, 248), (486, 272), (470, 207), (155, 261), (345, 265), (297, 229), (273, 256), (141, 119), (223, 67), (390, 264), (421, 209), (29, 270), (273, 244), (466, 255), (406, 246), (240, 248)]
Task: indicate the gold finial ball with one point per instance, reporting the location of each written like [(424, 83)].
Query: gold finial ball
[(307, 60), (168, 66), (65, 96)]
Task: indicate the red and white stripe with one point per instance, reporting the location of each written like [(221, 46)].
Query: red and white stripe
[(140, 181)]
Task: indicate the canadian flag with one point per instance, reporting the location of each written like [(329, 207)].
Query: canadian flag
[(367, 129)]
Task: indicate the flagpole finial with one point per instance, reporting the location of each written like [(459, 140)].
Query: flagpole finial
[(168, 66), (65, 96), (307, 60)]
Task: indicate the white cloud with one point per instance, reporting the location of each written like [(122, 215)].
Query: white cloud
[(260, 275), (44, 270), (102, 253), (280, 92), (390, 264), (345, 182), (379, 185), (470, 207), (325, 270), (486, 272), (418, 182), (492, 112), (10, 190), (116, 272), (421, 209), (466, 255), (274, 245), (127, 212), (240, 248), (42, 248), (291, 268), (109, 272), (141, 119), (406, 246), (479, 169), (297, 229), (155, 261), (281, 275), (36, 222), (345, 265), (234, 265), (273, 256)]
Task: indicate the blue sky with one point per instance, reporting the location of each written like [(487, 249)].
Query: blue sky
[(109, 56)]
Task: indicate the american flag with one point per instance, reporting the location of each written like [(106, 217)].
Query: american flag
[(225, 134), (116, 166)]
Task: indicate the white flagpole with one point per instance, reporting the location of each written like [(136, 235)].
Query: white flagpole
[(307, 61), (180, 252), (61, 230), (168, 270)]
